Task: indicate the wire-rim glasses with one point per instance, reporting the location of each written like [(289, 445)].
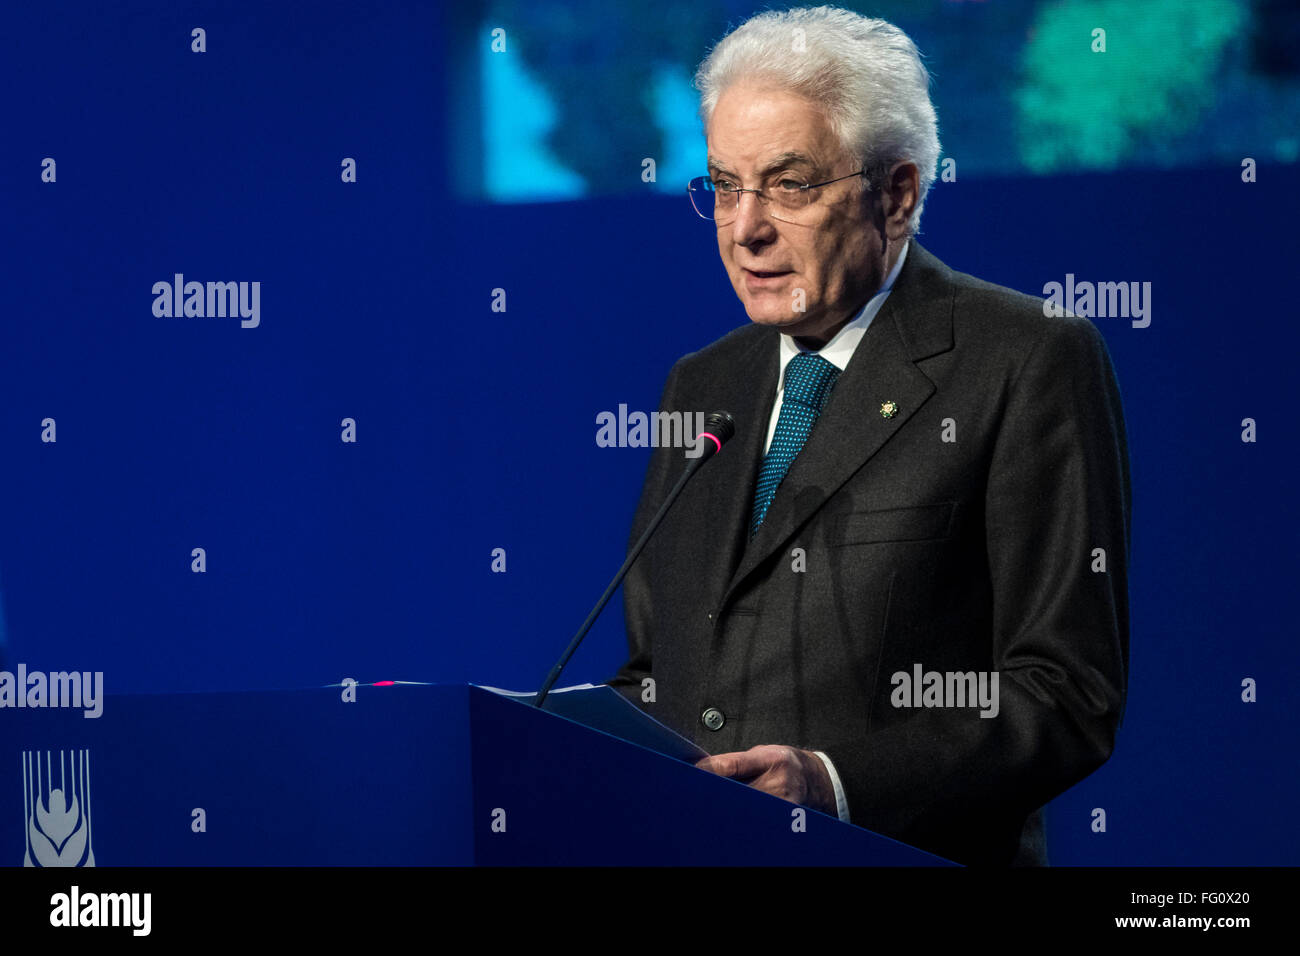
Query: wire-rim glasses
[(786, 199)]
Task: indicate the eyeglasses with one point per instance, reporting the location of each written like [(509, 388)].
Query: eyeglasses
[(788, 199)]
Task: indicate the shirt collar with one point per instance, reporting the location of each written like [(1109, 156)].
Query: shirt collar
[(840, 349)]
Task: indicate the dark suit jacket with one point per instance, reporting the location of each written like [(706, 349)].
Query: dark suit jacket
[(968, 555)]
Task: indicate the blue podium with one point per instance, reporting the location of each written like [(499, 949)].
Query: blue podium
[(400, 775)]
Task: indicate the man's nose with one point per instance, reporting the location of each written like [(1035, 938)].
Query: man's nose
[(752, 223)]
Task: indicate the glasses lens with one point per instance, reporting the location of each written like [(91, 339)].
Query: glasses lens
[(781, 201), (725, 202), (788, 198), (702, 196)]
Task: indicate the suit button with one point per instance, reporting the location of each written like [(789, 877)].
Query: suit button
[(713, 718)]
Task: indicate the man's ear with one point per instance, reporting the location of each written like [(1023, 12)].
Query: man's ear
[(898, 199)]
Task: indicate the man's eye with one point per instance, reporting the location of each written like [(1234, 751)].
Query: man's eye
[(790, 185), (724, 186)]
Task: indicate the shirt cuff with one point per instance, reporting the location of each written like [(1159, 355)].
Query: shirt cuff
[(841, 801)]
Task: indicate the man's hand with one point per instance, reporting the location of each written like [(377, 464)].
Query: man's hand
[(786, 772)]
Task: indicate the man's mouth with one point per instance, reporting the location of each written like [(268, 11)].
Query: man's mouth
[(769, 281)]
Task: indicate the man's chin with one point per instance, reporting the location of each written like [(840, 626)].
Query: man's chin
[(788, 323)]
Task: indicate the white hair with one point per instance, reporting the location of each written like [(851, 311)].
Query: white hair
[(866, 75)]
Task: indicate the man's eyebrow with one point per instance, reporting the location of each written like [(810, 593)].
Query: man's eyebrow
[(783, 161)]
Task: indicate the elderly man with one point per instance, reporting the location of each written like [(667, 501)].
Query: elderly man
[(899, 595)]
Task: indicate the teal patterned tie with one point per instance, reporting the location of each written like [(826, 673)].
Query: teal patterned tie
[(809, 379)]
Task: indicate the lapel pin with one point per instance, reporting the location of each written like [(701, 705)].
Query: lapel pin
[(888, 409)]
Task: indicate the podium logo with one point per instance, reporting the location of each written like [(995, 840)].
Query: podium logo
[(56, 818)]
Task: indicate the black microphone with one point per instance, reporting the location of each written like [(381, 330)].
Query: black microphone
[(718, 429)]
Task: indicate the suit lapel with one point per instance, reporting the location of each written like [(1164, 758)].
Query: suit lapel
[(915, 322), (749, 396)]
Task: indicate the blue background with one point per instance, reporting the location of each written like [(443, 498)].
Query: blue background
[(476, 429)]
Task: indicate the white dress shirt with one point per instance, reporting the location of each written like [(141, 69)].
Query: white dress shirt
[(837, 351)]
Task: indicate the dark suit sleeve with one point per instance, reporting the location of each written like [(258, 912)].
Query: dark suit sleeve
[(1058, 488), (638, 612)]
